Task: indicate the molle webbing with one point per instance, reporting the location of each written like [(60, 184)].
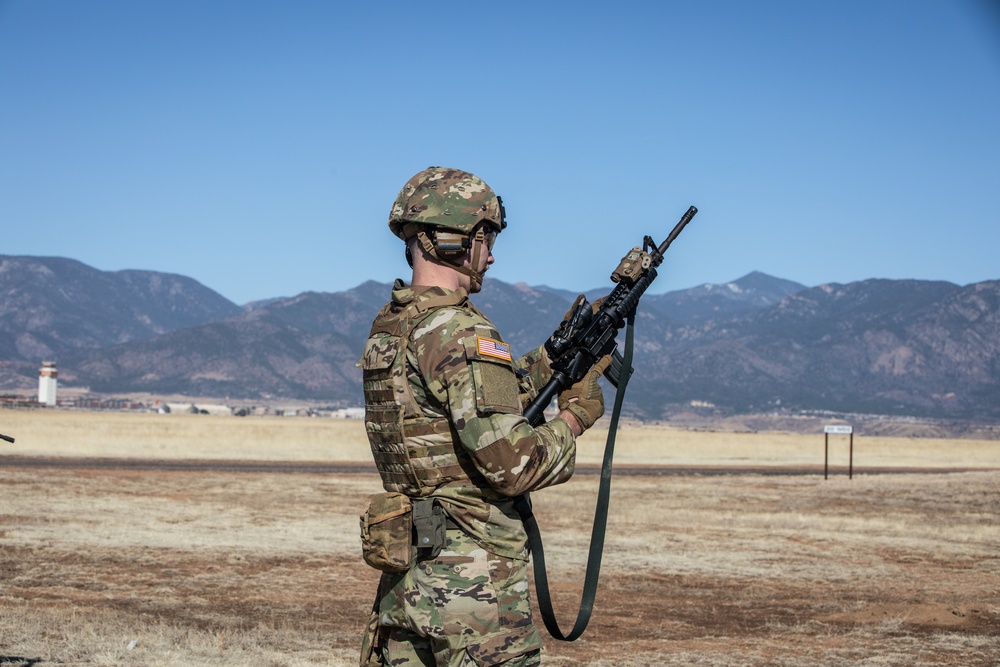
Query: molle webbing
[(383, 424), (432, 450), (413, 453), (411, 457)]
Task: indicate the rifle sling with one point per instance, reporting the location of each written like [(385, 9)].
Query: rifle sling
[(593, 573)]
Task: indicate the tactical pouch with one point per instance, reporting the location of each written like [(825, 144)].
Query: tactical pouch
[(429, 526), (387, 532)]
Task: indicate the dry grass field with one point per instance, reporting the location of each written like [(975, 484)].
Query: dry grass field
[(124, 566)]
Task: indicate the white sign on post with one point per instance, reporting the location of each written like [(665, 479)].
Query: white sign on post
[(839, 429)]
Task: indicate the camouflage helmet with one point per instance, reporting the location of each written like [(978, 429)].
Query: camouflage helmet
[(446, 198)]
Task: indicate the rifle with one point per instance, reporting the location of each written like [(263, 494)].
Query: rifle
[(586, 336), (6, 437)]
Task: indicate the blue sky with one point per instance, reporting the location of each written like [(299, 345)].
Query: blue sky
[(257, 146)]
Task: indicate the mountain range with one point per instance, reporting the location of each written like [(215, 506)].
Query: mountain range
[(757, 344)]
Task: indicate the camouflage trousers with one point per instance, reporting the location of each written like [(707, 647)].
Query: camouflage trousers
[(466, 607)]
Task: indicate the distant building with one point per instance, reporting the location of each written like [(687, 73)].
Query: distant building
[(199, 409), (47, 375)]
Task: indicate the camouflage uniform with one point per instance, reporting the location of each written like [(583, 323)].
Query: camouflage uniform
[(443, 413)]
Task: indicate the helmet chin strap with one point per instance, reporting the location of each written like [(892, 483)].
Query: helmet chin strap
[(478, 243)]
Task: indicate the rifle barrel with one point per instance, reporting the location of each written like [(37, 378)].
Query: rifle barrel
[(678, 228)]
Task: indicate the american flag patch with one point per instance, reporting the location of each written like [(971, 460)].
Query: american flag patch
[(494, 348)]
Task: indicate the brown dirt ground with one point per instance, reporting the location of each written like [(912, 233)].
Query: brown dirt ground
[(813, 573)]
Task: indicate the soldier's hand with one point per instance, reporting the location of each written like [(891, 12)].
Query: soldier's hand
[(594, 307), (585, 400)]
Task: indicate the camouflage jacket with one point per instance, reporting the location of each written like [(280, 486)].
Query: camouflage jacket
[(443, 413)]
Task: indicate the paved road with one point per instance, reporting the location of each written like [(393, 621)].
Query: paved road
[(357, 468)]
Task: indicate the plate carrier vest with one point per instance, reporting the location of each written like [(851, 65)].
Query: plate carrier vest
[(414, 453)]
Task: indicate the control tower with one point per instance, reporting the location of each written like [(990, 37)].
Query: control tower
[(47, 383)]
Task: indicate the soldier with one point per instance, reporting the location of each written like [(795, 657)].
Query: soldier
[(443, 400)]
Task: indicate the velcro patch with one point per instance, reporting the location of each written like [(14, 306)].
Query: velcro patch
[(493, 348)]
